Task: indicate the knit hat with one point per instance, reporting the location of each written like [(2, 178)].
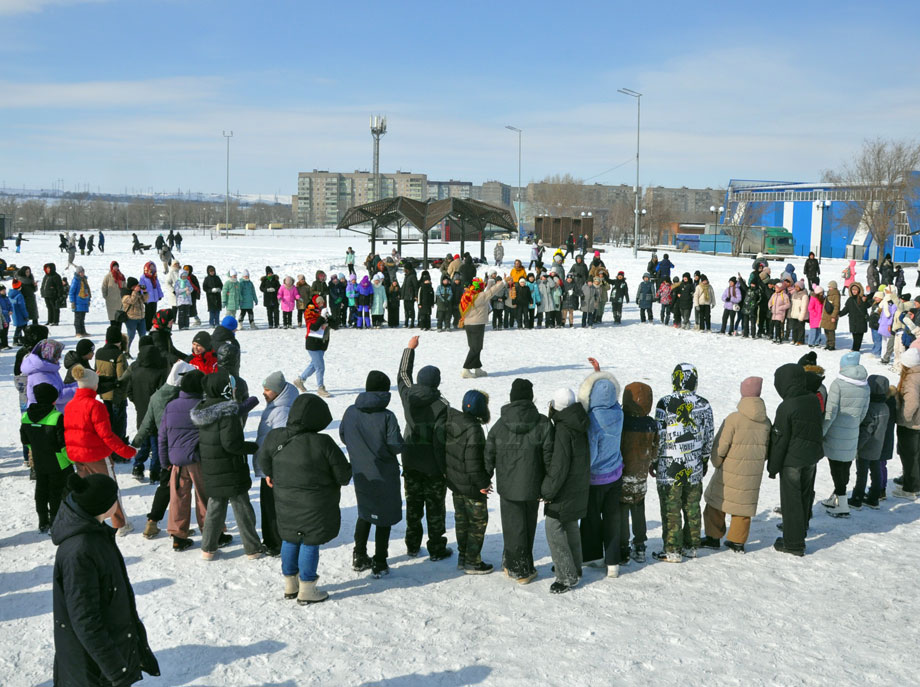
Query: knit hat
[(563, 398), (229, 322), (818, 289), (44, 393), (191, 382), (476, 403), (751, 387), (275, 382), (378, 381), (145, 340), (910, 357), (231, 272), (849, 359), (95, 493), (378, 277), (203, 339), (810, 358), (521, 390), (86, 378), (429, 376), (905, 296), (85, 347), (246, 274), (113, 334), (131, 283)]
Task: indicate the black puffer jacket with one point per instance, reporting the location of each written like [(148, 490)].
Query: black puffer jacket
[(222, 335), (579, 271), (162, 339), (148, 373), (52, 287), (465, 445), (423, 408), (682, 295), (467, 270), (797, 440), (269, 286), (856, 310), (212, 281), (98, 636), (518, 447), (220, 441), (308, 470), (370, 432), (568, 471)]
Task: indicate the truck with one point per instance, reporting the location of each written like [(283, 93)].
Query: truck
[(754, 241)]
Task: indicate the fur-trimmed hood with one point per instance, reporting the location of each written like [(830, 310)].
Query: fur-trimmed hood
[(205, 414), (591, 394)]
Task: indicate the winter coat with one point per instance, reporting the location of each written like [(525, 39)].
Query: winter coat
[(98, 636), (425, 297), (798, 310), (847, 405), (274, 416), (703, 294), (639, 441), (664, 293), (148, 373), (155, 408), (619, 291), (589, 298), (28, 289), (230, 295), (423, 408), (111, 294), (80, 303), (88, 430), (779, 305), (221, 445), (815, 312), (645, 294), (478, 310), (410, 286), (663, 269), (19, 307), (177, 436), (169, 286), (571, 295), (287, 297), (829, 319), (308, 471), (132, 304), (211, 282), (38, 371), (111, 361), (856, 310), (796, 440), (379, 304), (6, 309), (579, 271), (568, 470), (498, 252), (443, 297), (371, 434), (872, 276), (269, 285), (685, 432), (874, 426), (248, 297), (518, 447), (886, 318), (183, 290), (750, 303), (908, 399), (162, 340), (731, 297), (683, 295), (598, 395), (153, 291), (545, 301), (739, 456), (52, 287), (465, 444)]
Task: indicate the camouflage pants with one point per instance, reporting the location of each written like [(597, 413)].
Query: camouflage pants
[(471, 516), (677, 500), (425, 496)]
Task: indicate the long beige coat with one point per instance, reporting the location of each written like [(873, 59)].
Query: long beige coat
[(112, 295), (740, 451), (909, 399)]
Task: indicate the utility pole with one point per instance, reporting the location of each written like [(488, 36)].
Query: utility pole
[(228, 136), (638, 96), (520, 134), (378, 129)]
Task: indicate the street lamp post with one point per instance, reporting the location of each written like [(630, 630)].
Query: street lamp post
[(823, 206), (228, 136), (520, 134), (717, 212), (638, 96)]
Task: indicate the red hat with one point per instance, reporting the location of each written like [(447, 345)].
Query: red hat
[(457, 256), (16, 283)]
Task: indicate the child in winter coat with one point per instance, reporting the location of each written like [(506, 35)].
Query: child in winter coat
[(303, 290), (6, 316), (664, 298), (287, 299), (535, 300), (365, 298), (80, 297), (351, 296), (443, 303), (589, 300), (510, 303), (645, 298), (779, 305), (182, 287), (619, 292), (229, 295), (425, 302), (248, 299), (571, 295), (555, 313), (815, 313), (872, 431), (855, 309), (603, 294), (731, 305), (545, 307), (888, 311), (378, 305), (703, 299), (523, 302), (798, 313), (639, 446)]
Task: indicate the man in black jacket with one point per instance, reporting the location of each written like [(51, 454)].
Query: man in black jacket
[(796, 446), (423, 456), (469, 482), (518, 447), (812, 270)]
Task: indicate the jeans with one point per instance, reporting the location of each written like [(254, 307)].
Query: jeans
[(245, 522), (149, 449), (135, 328), (815, 338), (317, 365), (665, 314), (303, 558), (213, 317), (876, 343)]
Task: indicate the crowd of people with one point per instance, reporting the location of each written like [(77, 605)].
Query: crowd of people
[(587, 459)]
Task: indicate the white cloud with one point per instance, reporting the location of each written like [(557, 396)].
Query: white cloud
[(11, 7), (98, 95)]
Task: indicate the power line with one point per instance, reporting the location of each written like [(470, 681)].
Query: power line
[(622, 164)]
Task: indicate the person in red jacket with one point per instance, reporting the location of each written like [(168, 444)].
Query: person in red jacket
[(89, 437), (203, 356)]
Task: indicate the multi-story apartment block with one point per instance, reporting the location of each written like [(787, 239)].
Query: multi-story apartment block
[(439, 190), (494, 193), (323, 196)]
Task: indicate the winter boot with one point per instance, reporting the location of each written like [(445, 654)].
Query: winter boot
[(467, 374), (151, 530), (290, 587), (309, 594), (638, 553), (180, 544), (479, 372), (613, 571), (481, 568), (855, 502), (871, 499), (689, 553), (842, 510), (379, 568), (559, 588), (298, 382), (446, 552), (138, 473), (360, 562), (224, 540), (830, 501), (527, 579), (710, 543), (900, 493), (737, 548), (667, 556), (321, 391), (780, 545), (126, 529)]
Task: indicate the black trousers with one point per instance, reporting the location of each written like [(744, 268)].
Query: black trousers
[(54, 312), (639, 526), (409, 309), (519, 526), (150, 309), (795, 497), (381, 539), (728, 321), (704, 319), (857, 341), (600, 528), (49, 492), (497, 318), (909, 451), (871, 470), (444, 319), (272, 312), (270, 535), (840, 473), (287, 318), (160, 497), (475, 334), (798, 331)]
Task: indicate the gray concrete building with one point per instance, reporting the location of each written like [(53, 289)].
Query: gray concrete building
[(323, 196)]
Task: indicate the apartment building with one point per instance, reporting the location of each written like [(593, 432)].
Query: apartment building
[(323, 196)]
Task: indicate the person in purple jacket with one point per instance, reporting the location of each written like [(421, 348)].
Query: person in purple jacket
[(731, 305), (42, 366), (153, 292), (178, 450)]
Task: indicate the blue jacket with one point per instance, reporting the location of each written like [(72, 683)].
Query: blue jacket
[(663, 268), (535, 297), (6, 308), (599, 395), (79, 304), (20, 311)]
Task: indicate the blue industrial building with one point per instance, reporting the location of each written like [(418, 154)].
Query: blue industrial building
[(815, 212)]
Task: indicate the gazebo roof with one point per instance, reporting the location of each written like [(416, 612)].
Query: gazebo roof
[(423, 215)]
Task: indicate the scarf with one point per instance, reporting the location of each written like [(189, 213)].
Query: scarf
[(117, 275), (150, 271), (84, 287), (469, 298)]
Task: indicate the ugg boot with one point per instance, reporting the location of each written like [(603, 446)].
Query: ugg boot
[(309, 594), (321, 391), (467, 374), (298, 382), (290, 587), (842, 510)]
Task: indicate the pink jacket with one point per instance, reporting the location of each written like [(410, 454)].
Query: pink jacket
[(287, 297), (779, 304), (815, 312), (849, 280)]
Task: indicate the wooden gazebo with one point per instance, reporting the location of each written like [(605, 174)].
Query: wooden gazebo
[(393, 214)]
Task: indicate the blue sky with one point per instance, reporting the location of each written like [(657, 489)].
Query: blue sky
[(117, 94)]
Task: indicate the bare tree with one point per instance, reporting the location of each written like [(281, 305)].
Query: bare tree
[(882, 186), (621, 217), (740, 217), (558, 195)]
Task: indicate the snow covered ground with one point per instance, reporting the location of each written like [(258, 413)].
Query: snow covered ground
[(842, 615)]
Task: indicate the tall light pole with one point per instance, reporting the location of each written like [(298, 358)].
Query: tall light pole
[(378, 129), (520, 134), (228, 136), (638, 96), (716, 211), (823, 206)]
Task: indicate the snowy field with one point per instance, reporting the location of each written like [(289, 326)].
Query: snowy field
[(844, 614)]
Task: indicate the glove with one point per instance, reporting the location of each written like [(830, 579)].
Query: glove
[(134, 442), (772, 475), (215, 290)]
